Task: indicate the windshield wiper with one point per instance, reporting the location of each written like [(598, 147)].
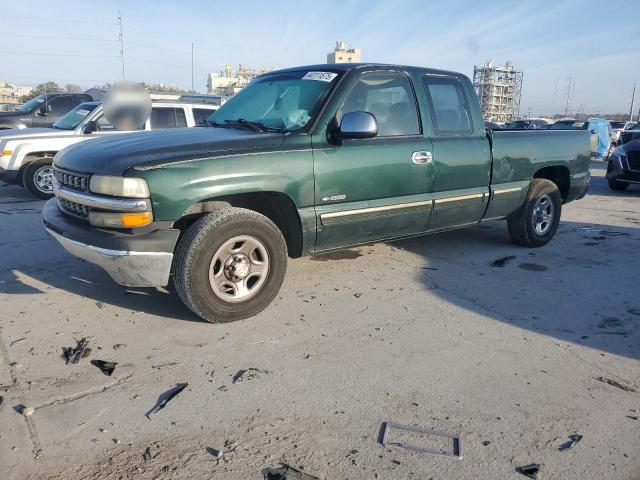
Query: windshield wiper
[(241, 122)]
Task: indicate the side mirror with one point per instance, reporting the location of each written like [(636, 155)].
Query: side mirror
[(593, 131), (42, 110), (90, 127), (358, 125)]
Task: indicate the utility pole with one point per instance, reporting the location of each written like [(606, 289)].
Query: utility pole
[(566, 108), (120, 37), (633, 97), (192, 67), (555, 97)]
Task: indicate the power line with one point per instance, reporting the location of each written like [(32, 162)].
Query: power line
[(60, 55), (59, 38), (55, 20)]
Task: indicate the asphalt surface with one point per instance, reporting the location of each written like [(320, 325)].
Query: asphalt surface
[(423, 332)]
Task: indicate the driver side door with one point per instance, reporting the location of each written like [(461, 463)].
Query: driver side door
[(372, 189)]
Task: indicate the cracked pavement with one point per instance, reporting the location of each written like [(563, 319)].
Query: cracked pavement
[(421, 331)]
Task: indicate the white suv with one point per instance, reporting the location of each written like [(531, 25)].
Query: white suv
[(26, 154)]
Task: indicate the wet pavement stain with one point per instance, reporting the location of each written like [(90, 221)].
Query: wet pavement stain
[(534, 267)]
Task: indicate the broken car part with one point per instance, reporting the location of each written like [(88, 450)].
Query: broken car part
[(531, 471), (286, 472), (166, 398), (573, 439), (387, 431), (105, 367), (73, 355)]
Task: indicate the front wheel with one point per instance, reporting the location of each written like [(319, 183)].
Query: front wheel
[(230, 264), (37, 178), (535, 223)]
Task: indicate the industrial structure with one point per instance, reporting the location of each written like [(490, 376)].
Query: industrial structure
[(499, 90), (11, 95), (343, 53), (226, 83)]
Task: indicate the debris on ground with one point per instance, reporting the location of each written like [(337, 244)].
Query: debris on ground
[(166, 398), (1, 400), (214, 452), (501, 262), (387, 428), (147, 455), (119, 345), (573, 439), (531, 471), (634, 311), (286, 472), (248, 374), (99, 305), (164, 365), (73, 355), (28, 411), (613, 383), (611, 233), (230, 445), (17, 341), (105, 367)]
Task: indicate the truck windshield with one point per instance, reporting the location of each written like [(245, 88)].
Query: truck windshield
[(31, 104), (72, 119), (283, 102)]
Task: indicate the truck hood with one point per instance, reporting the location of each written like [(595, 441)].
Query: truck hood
[(116, 154), (32, 133)]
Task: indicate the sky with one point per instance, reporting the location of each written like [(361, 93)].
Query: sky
[(595, 43)]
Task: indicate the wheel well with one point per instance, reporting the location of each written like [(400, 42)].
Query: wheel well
[(30, 157), (278, 207), (558, 175)]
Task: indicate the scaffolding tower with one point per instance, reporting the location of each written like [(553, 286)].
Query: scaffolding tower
[(499, 90)]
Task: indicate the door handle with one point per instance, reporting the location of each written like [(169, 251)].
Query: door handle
[(422, 158)]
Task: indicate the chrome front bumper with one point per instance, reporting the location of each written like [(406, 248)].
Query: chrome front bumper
[(131, 269)]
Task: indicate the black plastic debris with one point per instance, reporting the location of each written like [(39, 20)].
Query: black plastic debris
[(147, 455), (105, 367), (248, 374), (531, 471), (286, 472), (73, 355), (501, 262), (214, 452), (616, 384), (573, 439), (165, 398)]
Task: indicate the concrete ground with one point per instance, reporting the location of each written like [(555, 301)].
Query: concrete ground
[(423, 332)]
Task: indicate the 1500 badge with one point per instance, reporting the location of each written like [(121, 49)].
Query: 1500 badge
[(334, 198)]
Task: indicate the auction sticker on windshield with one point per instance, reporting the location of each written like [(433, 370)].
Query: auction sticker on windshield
[(321, 76)]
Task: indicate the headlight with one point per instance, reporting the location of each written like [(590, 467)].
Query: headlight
[(119, 186), (120, 220)]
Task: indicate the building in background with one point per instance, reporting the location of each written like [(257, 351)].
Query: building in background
[(226, 83), (499, 90), (10, 95), (344, 54)]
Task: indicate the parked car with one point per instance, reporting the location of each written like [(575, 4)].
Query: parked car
[(616, 127), (532, 124), (600, 133), (623, 168), (26, 155), (42, 111), (632, 133), (492, 125), (304, 161)]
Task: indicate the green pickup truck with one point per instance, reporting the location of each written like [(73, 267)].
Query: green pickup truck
[(304, 161)]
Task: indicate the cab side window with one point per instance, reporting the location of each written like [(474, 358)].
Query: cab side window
[(167, 117), (389, 97), (201, 114), (60, 105), (450, 110)]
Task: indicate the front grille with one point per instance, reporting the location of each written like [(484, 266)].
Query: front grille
[(76, 181), (73, 208), (634, 160)]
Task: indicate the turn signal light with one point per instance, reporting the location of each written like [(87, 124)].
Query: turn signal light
[(120, 220)]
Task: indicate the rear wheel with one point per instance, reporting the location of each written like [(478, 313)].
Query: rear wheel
[(230, 264), (617, 185), (536, 222), (37, 178)]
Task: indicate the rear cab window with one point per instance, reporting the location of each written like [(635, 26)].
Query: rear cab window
[(201, 114), (450, 110), (167, 117)]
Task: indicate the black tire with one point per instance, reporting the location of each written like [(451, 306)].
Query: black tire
[(33, 181), (202, 241), (617, 185), (522, 223)]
